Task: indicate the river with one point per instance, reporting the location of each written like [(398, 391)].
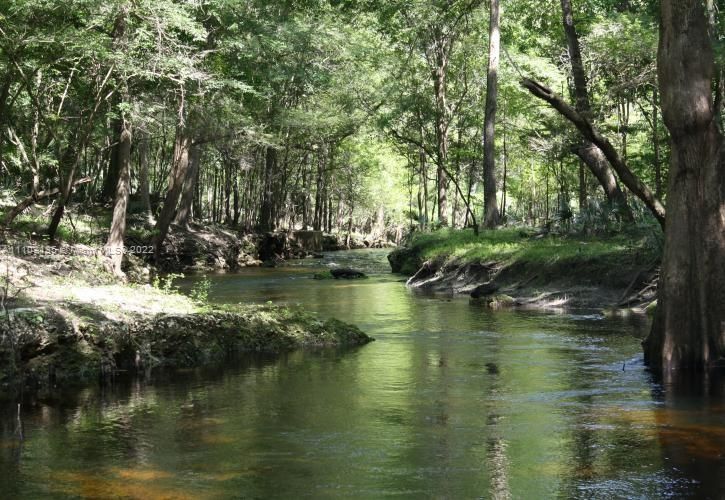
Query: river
[(451, 401)]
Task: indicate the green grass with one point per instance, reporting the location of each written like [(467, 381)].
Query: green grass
[(86, 228), (520, 245)]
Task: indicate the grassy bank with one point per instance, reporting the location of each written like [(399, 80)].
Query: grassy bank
[(525, 262), (65, 319), (523, 246)]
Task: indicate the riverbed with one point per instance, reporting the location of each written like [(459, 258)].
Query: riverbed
[(451, 401)]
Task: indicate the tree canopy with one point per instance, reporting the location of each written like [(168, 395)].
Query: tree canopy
[(326, 114)]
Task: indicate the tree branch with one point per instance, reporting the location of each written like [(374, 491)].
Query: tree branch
[(586, 128)]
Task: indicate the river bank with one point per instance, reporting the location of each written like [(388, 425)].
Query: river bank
[(511, 267), (65, 319), (191, 247)]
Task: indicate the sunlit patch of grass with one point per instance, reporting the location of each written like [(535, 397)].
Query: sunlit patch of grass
[(521, 245)]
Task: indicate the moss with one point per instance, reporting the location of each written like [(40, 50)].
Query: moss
[(65, 355), (324, 275), (651, 309)]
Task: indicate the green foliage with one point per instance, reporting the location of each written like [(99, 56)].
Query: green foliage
[(200, 292), (341, 97), (165, 283)]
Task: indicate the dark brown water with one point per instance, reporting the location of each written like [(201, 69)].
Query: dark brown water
[(451, 401)]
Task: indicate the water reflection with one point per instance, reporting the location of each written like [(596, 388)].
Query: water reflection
[(453, 401)]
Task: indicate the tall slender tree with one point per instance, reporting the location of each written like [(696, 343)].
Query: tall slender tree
[(121, 156), (491, 214)]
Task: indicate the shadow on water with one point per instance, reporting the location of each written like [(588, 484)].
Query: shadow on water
[(452, 401)]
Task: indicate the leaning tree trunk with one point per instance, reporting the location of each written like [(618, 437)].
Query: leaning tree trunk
[(594, 158), (114, 245), (588, 152), (585, 127), (180, 164), (490, 207), (689, 327), (71, 158)]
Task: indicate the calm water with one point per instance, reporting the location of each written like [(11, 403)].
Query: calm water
[(451, 401)]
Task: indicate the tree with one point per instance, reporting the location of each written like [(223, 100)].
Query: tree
[(114, 245), (179, 167), (689, 326), (121, 158), (491, 215), (589, 153), (590, 133)]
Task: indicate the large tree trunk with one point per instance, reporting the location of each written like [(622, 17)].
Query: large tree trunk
[(589, 153), (114, 245), (183, 214), (490, 207), (689, 326), (119, 126), (182, 145)]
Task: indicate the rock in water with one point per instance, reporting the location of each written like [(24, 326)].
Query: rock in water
[(404, 261), (346, 273)]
